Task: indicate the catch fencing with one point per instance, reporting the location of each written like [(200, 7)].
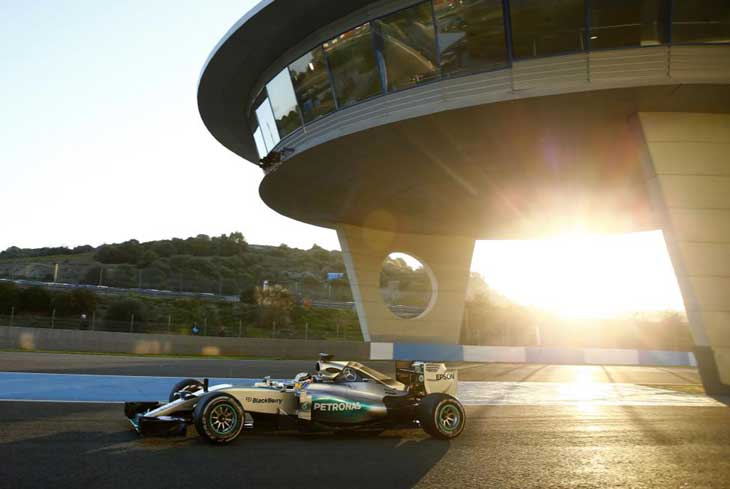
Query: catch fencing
[(340, 330)]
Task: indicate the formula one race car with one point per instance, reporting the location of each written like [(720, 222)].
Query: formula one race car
[(338, 396)]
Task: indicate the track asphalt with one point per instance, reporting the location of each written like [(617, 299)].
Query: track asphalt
[(81, 445), (529, 426)]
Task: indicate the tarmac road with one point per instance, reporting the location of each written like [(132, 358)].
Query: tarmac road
[(214, 367), (84, 445), (580, 443)]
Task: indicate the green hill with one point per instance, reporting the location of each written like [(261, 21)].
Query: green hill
[(224, 265)]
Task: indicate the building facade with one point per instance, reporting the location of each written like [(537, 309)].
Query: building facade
[(421, 126)]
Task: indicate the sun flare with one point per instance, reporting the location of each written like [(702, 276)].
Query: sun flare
[(583, 276)]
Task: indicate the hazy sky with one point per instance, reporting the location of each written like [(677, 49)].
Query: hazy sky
[(101, 141)]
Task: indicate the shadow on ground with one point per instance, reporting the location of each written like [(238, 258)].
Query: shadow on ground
[(76, 446)]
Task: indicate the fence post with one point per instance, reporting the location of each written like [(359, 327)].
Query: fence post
[(306, 331), (12, 314), (131, 323), (240, 327), (338, 330), (93, 319), (205, 326), (169, 323), (53, 317), (273, 329)]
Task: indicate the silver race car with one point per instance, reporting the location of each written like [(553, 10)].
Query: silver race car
[(339, 395)]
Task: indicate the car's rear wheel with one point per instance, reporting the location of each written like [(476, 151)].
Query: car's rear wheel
[(186, 385), (219, 418), (441, 416)]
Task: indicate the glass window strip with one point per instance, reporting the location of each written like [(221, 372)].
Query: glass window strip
[(405, 46), (667, 24)]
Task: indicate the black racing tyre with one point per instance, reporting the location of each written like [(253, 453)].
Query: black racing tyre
[(190, 385), (441, 416), (219, 418)]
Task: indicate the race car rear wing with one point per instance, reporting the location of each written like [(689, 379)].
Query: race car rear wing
[(426, 377)]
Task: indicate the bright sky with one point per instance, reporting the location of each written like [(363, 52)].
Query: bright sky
[(101, 141)]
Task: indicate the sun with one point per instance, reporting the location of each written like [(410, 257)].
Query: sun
[(583, 275)]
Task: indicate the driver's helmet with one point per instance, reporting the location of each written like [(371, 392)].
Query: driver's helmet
[(302, 377)]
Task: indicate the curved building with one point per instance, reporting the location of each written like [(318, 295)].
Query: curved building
[(420, 126)]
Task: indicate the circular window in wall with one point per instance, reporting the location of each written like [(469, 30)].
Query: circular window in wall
[(406, 285)]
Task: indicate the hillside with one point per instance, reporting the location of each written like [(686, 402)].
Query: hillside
[(226, 265)]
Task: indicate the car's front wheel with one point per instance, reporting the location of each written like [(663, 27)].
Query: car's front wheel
[(441, 416), (219, 418), (186, 385)]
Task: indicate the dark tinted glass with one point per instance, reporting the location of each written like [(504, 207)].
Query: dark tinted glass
[(471, 35), (312, 85), (701, 21), (284, 103), (406, 44), (545, 27), (352, 60), (619, 23)]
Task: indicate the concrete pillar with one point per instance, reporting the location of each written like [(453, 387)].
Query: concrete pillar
[(447, 260), (686, 158)]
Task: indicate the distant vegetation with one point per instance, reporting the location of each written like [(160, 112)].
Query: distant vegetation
[(228, 264), (225, 264), (133, 252), (15, 252), (273, 313)]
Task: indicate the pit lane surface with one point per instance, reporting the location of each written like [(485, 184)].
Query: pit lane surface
[(82, 445)]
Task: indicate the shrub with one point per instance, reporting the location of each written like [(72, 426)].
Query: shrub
[(122, 310), (34, 299), (76, 302), (9, 297)]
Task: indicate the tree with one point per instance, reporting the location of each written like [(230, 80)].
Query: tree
[(275, 304), (148, 258), (248, 295), (128, 252)]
